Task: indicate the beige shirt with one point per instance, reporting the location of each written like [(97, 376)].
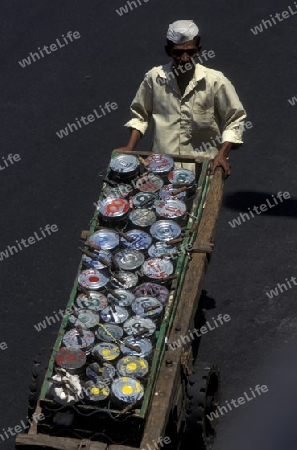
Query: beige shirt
[(208, 113)]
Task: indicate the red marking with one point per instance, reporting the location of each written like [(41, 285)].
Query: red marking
[(117, 205), (93, 279)]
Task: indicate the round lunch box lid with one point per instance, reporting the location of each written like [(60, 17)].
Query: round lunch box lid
[(119, 316), (109, 332), (142, 217), (127, 389), (141, 239), (70, 358), (165, 230), (95, 391), (106, 350), (151, 289), (84, 340), (106, 239), (128, 279), (86, 318), (171, 208), (126, 297), (160, 248), (114, 207), (132, 366), (147, 306), (139, 326), (149, 183), (93, 279), (145, 346), (104, 371), (95, 301), (159, 163), (124, 164), (141, 197), (129, 259), (94, 263), (181, 176), (168, 192), (158, 268)]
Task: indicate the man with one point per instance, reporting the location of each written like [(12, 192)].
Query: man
[(194, 110)]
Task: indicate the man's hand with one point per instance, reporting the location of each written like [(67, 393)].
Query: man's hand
[(221, 161)]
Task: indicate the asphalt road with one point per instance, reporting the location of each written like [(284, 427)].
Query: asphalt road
[(55, 181)]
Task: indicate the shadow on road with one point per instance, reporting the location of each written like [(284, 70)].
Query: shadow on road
[(242, 200)]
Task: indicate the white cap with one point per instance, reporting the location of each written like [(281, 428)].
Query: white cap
[(182, 31)]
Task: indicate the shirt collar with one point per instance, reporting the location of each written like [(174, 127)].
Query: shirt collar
[(166, 69)]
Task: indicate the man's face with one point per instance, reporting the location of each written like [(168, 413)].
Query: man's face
[(182, 53)]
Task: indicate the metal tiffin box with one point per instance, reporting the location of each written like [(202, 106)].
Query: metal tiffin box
[(129, 259), (86, 318), (95, 391), (94, 300), (101, 372), (158, 269), (93, 279), (144, 346), (79, 338), (170, 191), (149, 183), (122, 297), (113, 210), (141, 240), (109, 333), (159, 291), (105, 238), (139, 326), (132, 366), (160, 164), (171, 208), (143, 217), (165, 230), (147, 307), (72, 359), (123, 279), (183, 180), (159, 249), (106, 351), (144, 200), (114, 314), (124, 168), (96, 261), (125, 390)]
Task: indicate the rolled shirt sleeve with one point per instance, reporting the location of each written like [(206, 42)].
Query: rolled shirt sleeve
[(231, 112), (141, 107)]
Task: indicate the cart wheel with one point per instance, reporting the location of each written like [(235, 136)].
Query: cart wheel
[(202, 400), (40, 366)]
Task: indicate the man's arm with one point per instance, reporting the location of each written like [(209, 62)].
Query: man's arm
[(140, 110), (232, 114), (135, 136)]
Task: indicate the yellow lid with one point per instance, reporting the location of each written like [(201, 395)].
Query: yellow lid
[(131, 367), (127, 389), (95, 390), (105, 351)]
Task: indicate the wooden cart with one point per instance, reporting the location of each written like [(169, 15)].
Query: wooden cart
[(180, 393)]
